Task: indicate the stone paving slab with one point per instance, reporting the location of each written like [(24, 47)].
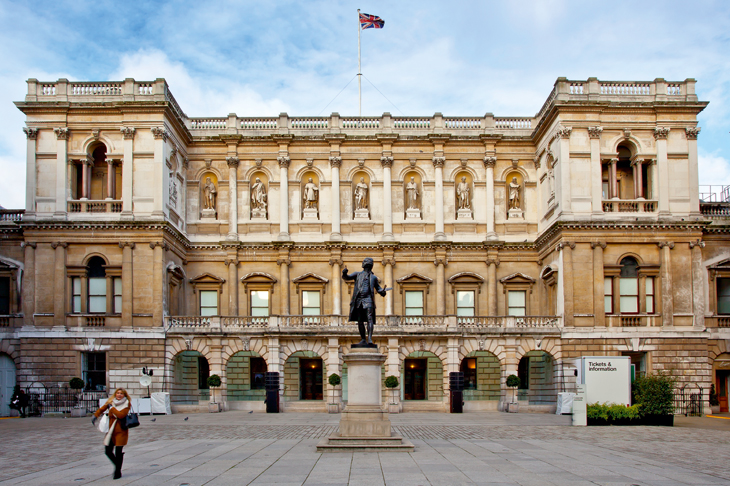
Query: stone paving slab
[(237, 448)]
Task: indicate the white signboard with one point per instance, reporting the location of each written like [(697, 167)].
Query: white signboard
[(607, 379)]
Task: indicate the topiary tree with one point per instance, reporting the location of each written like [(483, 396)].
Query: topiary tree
[(714, 401), (513, 381), (214, 381), (76, 383), (391, 383), (334, 381)]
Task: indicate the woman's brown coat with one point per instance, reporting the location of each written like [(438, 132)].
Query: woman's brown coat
[(119, 436)]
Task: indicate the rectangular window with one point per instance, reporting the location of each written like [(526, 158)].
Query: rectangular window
[(258, 370), (117, 295), (5, 295), (208, 302), (97, 295), (75, 295), (259, 303), (650, 295), (93, 370), (608, 295), (723, 295), (629, 295), (414, 304), (203, 373), (464, 302), (310, 303), (523, 373), (516, 303), (605, 190)]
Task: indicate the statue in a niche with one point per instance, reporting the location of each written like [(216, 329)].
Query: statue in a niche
[(514, 194), (210, 193), (362, 304), (258, 195), (412, 192), (462, 194), (361, 194), (311, 195)]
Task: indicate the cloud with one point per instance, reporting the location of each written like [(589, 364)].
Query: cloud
[(714, 169)]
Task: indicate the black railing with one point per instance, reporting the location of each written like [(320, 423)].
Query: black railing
[(62, 400), (688, 400)]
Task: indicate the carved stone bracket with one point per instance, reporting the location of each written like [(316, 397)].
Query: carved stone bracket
[(564, 132), (130, 244), (232, 162), (386, 161), (692, 132), (660, 133), (439, 161), (310, 162), (335, 161), (62, 133), (31, 133), (662, 244), (284, 161), (490, 161), (627, 133), (595, 132), (128, 132), (56, 244), (96, 133)]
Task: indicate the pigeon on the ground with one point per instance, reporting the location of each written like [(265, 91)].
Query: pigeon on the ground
[(250, 411), (153, 420), (186, 418)]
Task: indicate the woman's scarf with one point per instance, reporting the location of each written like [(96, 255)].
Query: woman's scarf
[(120, 404)]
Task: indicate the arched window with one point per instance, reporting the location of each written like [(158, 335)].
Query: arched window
[(95, 288), (97, 285), (629, 286)]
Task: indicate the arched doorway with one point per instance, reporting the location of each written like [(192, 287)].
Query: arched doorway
[(7, 383), (190, 378), (304, 373), (423, 377), (481, 380), (721, 368), (536, 372), (245, 377)]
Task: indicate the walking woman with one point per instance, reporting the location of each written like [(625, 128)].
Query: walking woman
[(118, 406)]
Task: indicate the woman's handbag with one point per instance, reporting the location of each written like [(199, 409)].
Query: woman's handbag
[(103, 424), (131, 420)]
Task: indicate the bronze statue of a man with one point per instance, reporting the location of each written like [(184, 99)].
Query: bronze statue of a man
[(362, 304)]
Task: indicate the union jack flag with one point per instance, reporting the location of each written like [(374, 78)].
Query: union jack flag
[(371, 22)]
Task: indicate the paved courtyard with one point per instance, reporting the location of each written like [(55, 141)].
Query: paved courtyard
[(238, 448)]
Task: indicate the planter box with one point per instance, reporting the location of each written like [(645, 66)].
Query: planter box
[(214, 407), (393, 408), (651, 420), (513, 407), (715, 409), (333, 408)]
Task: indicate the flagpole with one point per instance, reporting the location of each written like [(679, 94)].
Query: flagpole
[(359, 69)]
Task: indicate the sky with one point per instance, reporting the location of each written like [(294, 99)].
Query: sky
[(460, 58)]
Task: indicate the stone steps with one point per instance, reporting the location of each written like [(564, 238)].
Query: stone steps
[(335, 443)]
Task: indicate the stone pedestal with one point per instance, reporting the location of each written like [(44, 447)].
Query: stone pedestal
[(464, 215), (413, 214), (208, 215), (310, 214), (362, 214), (258, 214), (364, 425), (515, 214)]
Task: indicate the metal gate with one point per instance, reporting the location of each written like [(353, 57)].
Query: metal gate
[(688, 400)]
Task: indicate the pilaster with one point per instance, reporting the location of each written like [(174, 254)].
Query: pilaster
[(62, 136), (30, 173)]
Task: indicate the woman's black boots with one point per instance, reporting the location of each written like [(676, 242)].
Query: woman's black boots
[(118, 463)]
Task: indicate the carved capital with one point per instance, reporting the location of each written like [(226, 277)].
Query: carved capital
[(698, 243), (232, 162), (31, 133), (492, 261), (439, 162), (159, 133), (490, 162), (564, 132), (565, 244), (663, 244), (335, 261), (28, 243), (637, 162), (284, 161), (161, 244), (660, 133), (386, 161), (128, 132), (230, 261), (388, 261), (595, 132), (56, 244), (596, 244), (536, 163), (62, 133), (130, 244), (283, 261), (441, 261), (692, 132), (185, 163), (335, 161)]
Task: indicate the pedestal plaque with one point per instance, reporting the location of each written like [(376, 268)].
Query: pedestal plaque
[(413, 214), (464, 215), (309, 214), (515, 214), (362, 214), (258, 214), (207, 215)]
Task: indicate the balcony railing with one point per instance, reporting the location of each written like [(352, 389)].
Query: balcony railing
[(508, 322), (633, 320), (11, 214), (629, 206), (715, 210), (10, 320), (717, 321), (91, 206)]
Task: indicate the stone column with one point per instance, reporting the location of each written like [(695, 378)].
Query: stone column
[(232, 264), (232, 198), (594, 133), (59, 283), (698, 287), (335, 163), (612, 179), (566, 201), (158, 255), (599, 311), (62, 136), (654, 179), (666, 275), (389, 263), (30, 172), (489, 163), (694, 175), (127, 172), (567, 249), (110, 179), (660, 134), (127, 283), (158, 177), (438, 164), (283, 261), (336, 263), (492, 286), (440, 263), (387, 163), (28, 284), (638, 178), (70, 177), (284, 199)]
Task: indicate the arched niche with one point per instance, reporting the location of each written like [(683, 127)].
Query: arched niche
[(412, 194), (309, 186), (361, 189), (463, 194), (209, 195), (514, 189), (258, 194)]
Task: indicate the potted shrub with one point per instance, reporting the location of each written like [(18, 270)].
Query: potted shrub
[(214, 381), (714, 401), (334, 381), (77, 384), (513, 381), (612, 414), (655, 394), (391, 383)]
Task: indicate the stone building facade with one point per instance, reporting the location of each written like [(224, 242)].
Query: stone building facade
[(514, 245)]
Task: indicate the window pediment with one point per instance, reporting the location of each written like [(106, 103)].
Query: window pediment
[(466, 278), (310, 278), (207, 278), (723, 265), (517, 278), (258, 277), (414, 278)]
